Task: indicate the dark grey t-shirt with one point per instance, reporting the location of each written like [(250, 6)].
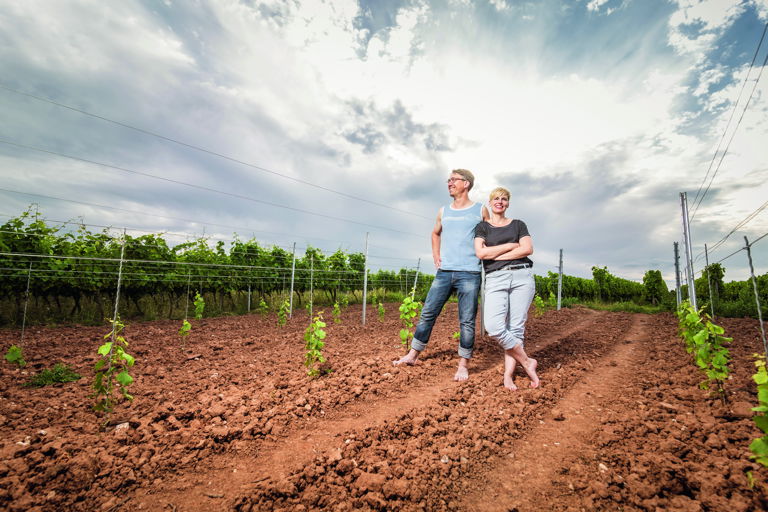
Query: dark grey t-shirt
[(493, 235)]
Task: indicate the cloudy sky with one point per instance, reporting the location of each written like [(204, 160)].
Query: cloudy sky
[(316, 122)]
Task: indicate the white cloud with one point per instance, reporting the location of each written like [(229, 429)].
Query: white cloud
[(283, 85), (500, 5), (696, 25)]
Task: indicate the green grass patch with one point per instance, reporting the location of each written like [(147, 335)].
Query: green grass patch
[(627, 307), (60, 373)]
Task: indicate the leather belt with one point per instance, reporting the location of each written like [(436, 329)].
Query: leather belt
[(516, 266)]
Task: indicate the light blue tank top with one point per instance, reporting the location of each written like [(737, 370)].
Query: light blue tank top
[(457, 241)]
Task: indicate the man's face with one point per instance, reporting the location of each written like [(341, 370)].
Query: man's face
[(456, 184)]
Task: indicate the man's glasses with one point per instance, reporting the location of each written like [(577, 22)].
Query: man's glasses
[(451, 180)]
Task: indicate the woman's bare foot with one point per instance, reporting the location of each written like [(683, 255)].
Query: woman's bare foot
[(462, 374), (509, 382), (530, 368), (411, 358)]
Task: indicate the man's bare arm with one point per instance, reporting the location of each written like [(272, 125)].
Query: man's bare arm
[(436, 237)]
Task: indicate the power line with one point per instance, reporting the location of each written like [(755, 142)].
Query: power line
[(736, 128), (169, 180), (208, 223), (741, 224), (208, 151)]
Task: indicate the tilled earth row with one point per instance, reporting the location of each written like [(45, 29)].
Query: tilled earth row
[(232, 421)]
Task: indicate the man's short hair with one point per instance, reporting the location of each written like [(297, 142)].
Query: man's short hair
[(467, 175)]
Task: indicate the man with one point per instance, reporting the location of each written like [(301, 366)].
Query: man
[(457, 269)]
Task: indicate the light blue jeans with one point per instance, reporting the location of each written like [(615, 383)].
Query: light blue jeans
[(467, 286), (508, 295)]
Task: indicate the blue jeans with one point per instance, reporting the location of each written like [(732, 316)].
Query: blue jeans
[(508, 295), (467, 285)]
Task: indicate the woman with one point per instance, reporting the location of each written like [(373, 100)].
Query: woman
[(504, 246)]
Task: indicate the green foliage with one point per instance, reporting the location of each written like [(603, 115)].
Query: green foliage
[(15, 356), (409, 309), (539, 306), (381, 311), (60, 373), (624, 306), (185, 328), (76, 285), (314, 336), (199, 305), (456, 335), (336, 313), (705, 341), (282, 313), (263, 307), (655, 289), (112, 375), (611, 288), (759, 446)]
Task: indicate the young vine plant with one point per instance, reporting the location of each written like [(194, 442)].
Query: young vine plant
[(314, 336), (263, 307), (759, 446), (15, 356), (184, 331), (199, 305), (336, 313), (282, 313), (705, 341), (381, 311), (409, 309), (112, 378)]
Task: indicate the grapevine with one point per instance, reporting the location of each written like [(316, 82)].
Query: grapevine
[(199, 305), (759, 446), (314, 336), (185, 328), (282, 313), (15, 356), (263, 307), (539, 306), (381, 311), (336, 313), (112, 370), (705, 341), (409, 309)]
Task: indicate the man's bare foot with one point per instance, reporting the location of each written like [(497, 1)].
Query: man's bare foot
[(411, 358), (462, 374), (530, 369), (509, 382)]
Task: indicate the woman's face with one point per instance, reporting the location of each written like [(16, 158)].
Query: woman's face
[(499, 203)]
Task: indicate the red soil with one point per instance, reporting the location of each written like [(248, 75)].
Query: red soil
[(618, 424)]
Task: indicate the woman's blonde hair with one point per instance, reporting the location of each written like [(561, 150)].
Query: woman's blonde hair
[(499, 191)]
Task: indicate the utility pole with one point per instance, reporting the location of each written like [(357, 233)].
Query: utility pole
[(688, 251), (560, 282), (365, 278), (293, 275), (678, 291)]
